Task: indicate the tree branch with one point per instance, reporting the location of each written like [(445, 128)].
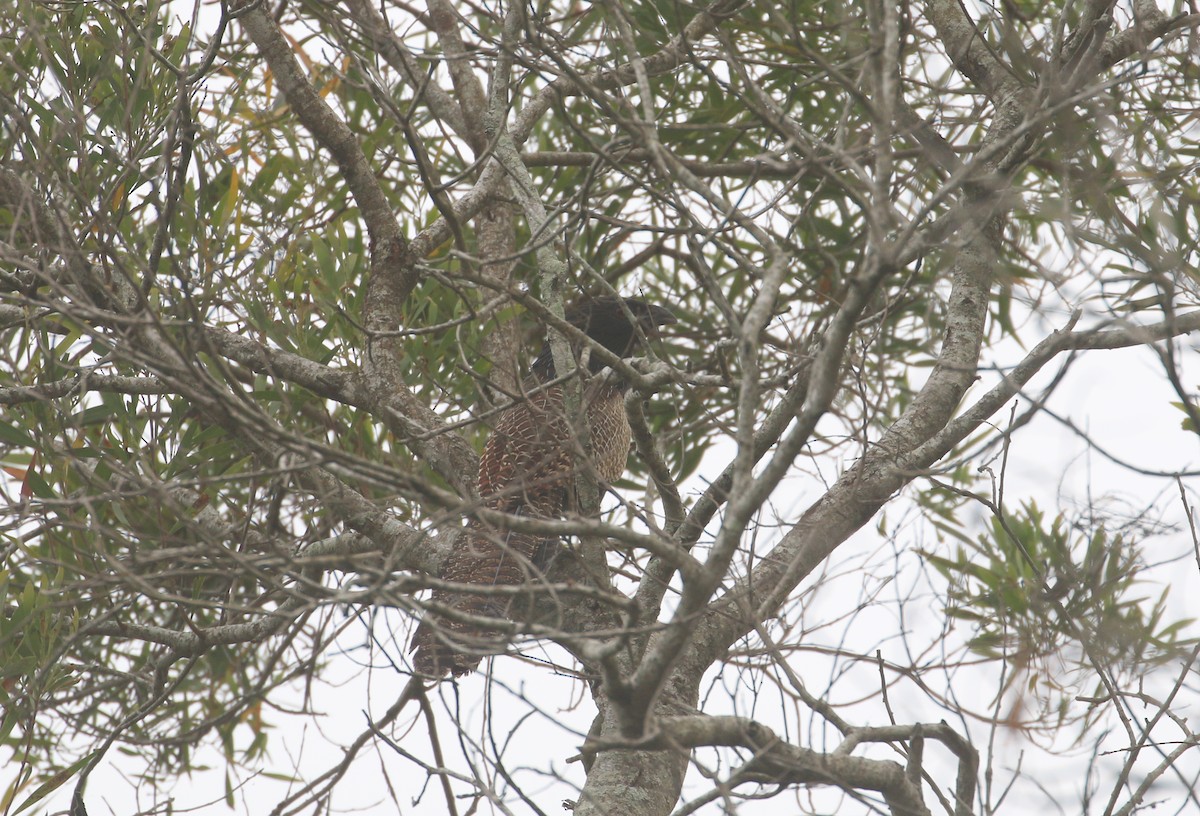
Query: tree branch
[(775, 759)]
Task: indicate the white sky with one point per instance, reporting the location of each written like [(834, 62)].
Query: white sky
[(1120, 397)]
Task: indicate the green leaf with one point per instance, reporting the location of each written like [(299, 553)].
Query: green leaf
[(13, 435), (55, 782)]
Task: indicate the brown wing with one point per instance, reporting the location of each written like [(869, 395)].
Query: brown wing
[(527, 461), (527, 468)]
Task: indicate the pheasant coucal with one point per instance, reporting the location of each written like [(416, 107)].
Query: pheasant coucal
[(528, 468)]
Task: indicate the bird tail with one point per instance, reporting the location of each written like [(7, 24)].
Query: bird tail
[(444, 645)]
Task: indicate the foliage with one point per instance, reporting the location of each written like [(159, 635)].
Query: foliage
[(1045, 596), (267, 275)]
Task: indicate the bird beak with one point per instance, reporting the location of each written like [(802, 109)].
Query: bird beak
[(656, 316), (660, 316)]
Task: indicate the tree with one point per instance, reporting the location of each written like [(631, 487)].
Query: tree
[(268, 272)]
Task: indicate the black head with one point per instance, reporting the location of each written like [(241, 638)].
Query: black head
[(607, 321)]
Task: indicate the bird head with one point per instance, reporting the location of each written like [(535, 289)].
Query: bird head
[(619, 324)]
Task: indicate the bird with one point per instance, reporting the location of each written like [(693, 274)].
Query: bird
[(528, 468)]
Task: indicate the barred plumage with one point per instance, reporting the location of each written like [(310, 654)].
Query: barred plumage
[(528, 468)]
